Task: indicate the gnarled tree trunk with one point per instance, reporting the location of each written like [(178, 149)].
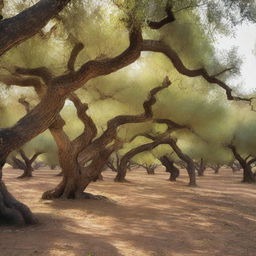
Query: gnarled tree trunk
[(170, 167), (26, 165), (76, 179), (190, 164), (248, 175), (122, 168), (11, 210)]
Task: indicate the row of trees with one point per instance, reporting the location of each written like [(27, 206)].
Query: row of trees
[(114, 77)]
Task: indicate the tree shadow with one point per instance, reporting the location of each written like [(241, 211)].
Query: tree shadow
[(53, 237), (151, 217)]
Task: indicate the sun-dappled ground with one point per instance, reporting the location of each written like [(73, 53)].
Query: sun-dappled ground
[(149, 216)]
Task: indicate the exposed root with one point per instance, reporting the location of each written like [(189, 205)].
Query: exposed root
[(13, 212)]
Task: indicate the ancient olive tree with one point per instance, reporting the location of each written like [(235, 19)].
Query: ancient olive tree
[(54, 86), (14, 30)]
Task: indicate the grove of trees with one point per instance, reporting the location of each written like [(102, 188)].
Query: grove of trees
[(90, 85)]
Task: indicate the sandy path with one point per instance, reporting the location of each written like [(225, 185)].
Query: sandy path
[(148, 217)]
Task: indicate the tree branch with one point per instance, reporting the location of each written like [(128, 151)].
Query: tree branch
[(110, 133), (73, 56), (35, 156), (159, 46), (43, 72), (69, 82), (20, 81), (90, 129), (168, 19), (27, 23), (237, 155)]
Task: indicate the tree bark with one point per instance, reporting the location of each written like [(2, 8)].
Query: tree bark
[(190, 164), (76, 179), (248, 175), (12, 211), (170, 167), (23, 26), (25, 165), (27, 23), (12, 32)]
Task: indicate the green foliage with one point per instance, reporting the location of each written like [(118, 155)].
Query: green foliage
[(145, 158), (102, 26)]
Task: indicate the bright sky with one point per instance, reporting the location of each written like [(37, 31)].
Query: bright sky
[(245, 39)]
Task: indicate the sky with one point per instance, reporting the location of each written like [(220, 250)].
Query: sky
[(245, 40)]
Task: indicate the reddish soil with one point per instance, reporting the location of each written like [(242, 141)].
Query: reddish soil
[(149, 216)]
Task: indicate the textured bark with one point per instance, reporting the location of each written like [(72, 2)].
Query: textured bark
[(73, 186), (112, 125), (52, 101), (23, 26), (12, 211), (58, 88), (170, 167), (27, 23), (73, 182), (12, 32)]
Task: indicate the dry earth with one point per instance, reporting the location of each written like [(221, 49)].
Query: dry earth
[(148, 217)]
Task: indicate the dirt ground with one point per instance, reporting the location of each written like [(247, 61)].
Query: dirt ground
[(149, 216)]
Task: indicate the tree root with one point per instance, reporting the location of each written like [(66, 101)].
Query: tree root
[(13, 212)]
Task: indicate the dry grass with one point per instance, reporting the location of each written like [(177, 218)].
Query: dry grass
[(148, 217)]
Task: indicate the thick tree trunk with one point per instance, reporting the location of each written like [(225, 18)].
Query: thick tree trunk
[(75, 178), (170, 167), (189, 162), (73, 187), (13, 31), (27, 173), (248, 175), (74, 182), (11, 210)]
